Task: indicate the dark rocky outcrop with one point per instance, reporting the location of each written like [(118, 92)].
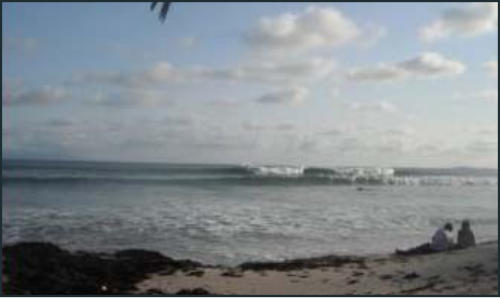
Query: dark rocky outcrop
[(188, 292), (43, 268), (195, 291), (36, 268), (299, 264)]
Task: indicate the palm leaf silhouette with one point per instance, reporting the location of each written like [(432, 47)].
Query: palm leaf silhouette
[(163, 11)]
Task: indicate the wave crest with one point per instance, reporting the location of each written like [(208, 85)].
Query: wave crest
[(255, 175)]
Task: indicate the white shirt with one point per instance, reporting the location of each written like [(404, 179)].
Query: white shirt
[(440, 240)]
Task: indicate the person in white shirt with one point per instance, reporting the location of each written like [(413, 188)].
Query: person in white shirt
[(441, 241)]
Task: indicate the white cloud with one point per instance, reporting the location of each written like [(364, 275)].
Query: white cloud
[(332, 132), (284, 127), (491, 95), (272, 72), (485, 95), (482, 130), (292, 96), (426, 65), (261, 127), (488, 131), (492, 67), (381, 106), (134, 97), (432, 64), (425, 149), (381, 72), (224, 103), (315, 27), (284, 72), (162, 72), (482, 146), (351, 144), (470, 20), (253, 126), (391, 146), (43, 96), (400, 132)]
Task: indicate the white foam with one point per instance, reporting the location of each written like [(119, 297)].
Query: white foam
[(277, 171)]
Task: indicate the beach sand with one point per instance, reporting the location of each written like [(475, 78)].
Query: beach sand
[(44, 268), (472, 271)]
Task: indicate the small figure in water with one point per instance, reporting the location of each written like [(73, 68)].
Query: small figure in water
[(441, 241), (465, 236)]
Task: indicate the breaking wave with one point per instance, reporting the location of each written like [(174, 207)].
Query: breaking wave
[(246, 175)]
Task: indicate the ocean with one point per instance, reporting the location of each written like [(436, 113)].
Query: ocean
[(228, 214)]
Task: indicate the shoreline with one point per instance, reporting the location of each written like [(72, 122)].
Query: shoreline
[(44, 268)]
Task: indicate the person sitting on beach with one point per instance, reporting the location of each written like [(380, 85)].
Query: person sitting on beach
[(441, 241), (465, 236)]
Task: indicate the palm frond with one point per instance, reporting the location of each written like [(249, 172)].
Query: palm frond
[(163, 11)]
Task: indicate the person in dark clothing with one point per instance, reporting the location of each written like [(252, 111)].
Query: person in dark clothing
[(465, 236)]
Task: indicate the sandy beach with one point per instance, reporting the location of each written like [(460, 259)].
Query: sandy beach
[(44, 268), (472, 271)]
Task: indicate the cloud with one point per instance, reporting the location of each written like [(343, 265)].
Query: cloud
[(392, 146), (492, 130), (134, 97), (253, 127), (432, 64), (482, 147), (162, 72), (485, 95), (425, 149), (313, 28), (491, 95), (224, 103), (467, 21), (399, 132), (43, 96), (333, 132), (351, 144), (261, 127), (292, 96), (284, 127), (308, 145), (381, 106), (262, 72), (426, 65), (492, 67), (381, 72), (272, 72)]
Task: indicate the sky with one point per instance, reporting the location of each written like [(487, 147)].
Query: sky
[(330, 84)]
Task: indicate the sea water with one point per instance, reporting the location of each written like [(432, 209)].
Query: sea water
[(228, 214)]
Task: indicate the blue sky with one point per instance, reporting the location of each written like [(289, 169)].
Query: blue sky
[(368, 84)]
